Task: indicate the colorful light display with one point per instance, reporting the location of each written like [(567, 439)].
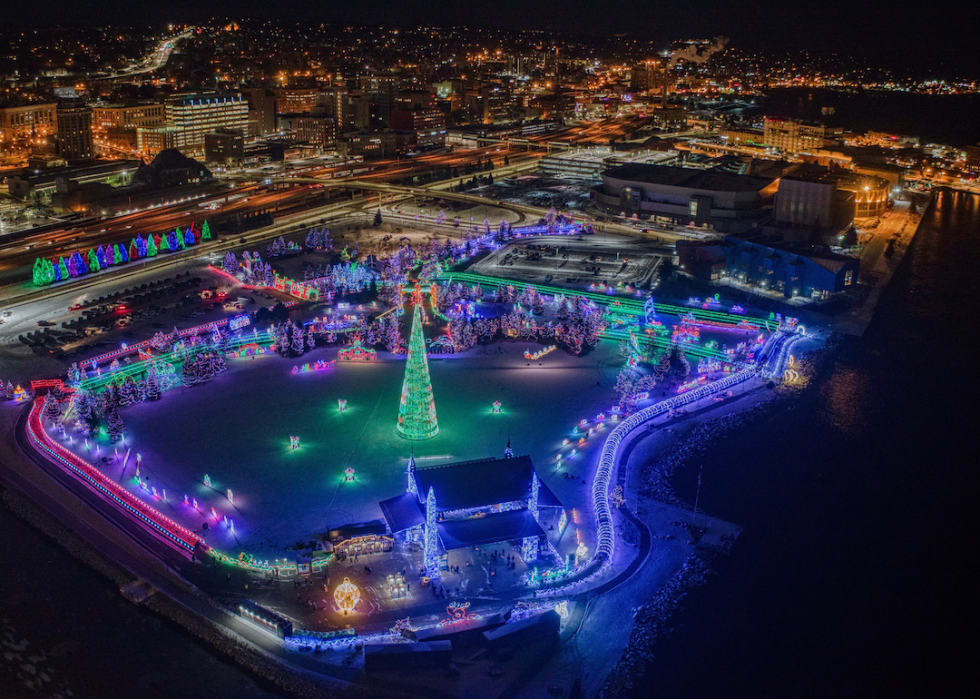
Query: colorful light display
[(457, 612), (347, 595), (540, 353), (60, 269), (417, 411), (167, 528), (357, 352)]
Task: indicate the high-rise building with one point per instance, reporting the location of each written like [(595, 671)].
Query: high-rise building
[(75, 131), (337, 102), (194, 115), (261, 111), (380, 92)]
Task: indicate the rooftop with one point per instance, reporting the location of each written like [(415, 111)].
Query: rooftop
[(482, 483), (671, 176), (488, 529)]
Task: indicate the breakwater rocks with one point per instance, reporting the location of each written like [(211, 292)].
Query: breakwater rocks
[(656, 481), (63, 536), (650, 622)]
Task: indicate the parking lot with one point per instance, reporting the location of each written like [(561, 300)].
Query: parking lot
[(604, 259)]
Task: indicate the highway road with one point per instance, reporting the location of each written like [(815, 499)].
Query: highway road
[(156, 59), (285, 194), (293, 191)]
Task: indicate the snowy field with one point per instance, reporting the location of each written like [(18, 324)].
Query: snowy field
[(236, 429)]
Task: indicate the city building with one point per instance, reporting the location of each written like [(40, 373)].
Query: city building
[(336, 99), (225, 147), (194, 115), (814, 275), (116, 117), (171, 168), (379, 93), (429, 125), (170, 176), (870, 196), (476, 135), (893, 174), (151, 140), (793, 136), (370, 145), (670, 118), (814, 200), (296, 101), (677, 195), (319, 130), (589, 163), (23, 126), (744, 137), (28, 183), (261, 111), (75, 131), (973, 157)]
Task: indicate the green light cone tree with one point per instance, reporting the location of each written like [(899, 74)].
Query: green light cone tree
[(417, 412)]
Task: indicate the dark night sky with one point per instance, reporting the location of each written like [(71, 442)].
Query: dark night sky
[(937, 36)]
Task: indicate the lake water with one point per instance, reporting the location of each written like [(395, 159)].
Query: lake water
[(854, 576)]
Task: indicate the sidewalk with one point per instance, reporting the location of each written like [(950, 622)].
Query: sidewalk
[(878, 269)]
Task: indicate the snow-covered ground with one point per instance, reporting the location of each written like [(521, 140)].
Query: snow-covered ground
[(236, 429)]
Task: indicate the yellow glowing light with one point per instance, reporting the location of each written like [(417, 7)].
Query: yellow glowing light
[(347, 595)]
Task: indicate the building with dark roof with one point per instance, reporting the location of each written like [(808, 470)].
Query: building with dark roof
[(811, 274), (472, 503), (727, 201)]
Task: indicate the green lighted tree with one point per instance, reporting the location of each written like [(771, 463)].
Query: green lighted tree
[(93, 261), (205, 231), (43, 272), (151, 246), (417, 412)]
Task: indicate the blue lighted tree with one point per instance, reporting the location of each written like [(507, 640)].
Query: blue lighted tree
[(431, 533)]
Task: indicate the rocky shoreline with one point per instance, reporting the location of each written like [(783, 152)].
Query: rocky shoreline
[(651, 620)]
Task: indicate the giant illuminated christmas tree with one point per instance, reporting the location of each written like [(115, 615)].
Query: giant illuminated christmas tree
[(417, 412)]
